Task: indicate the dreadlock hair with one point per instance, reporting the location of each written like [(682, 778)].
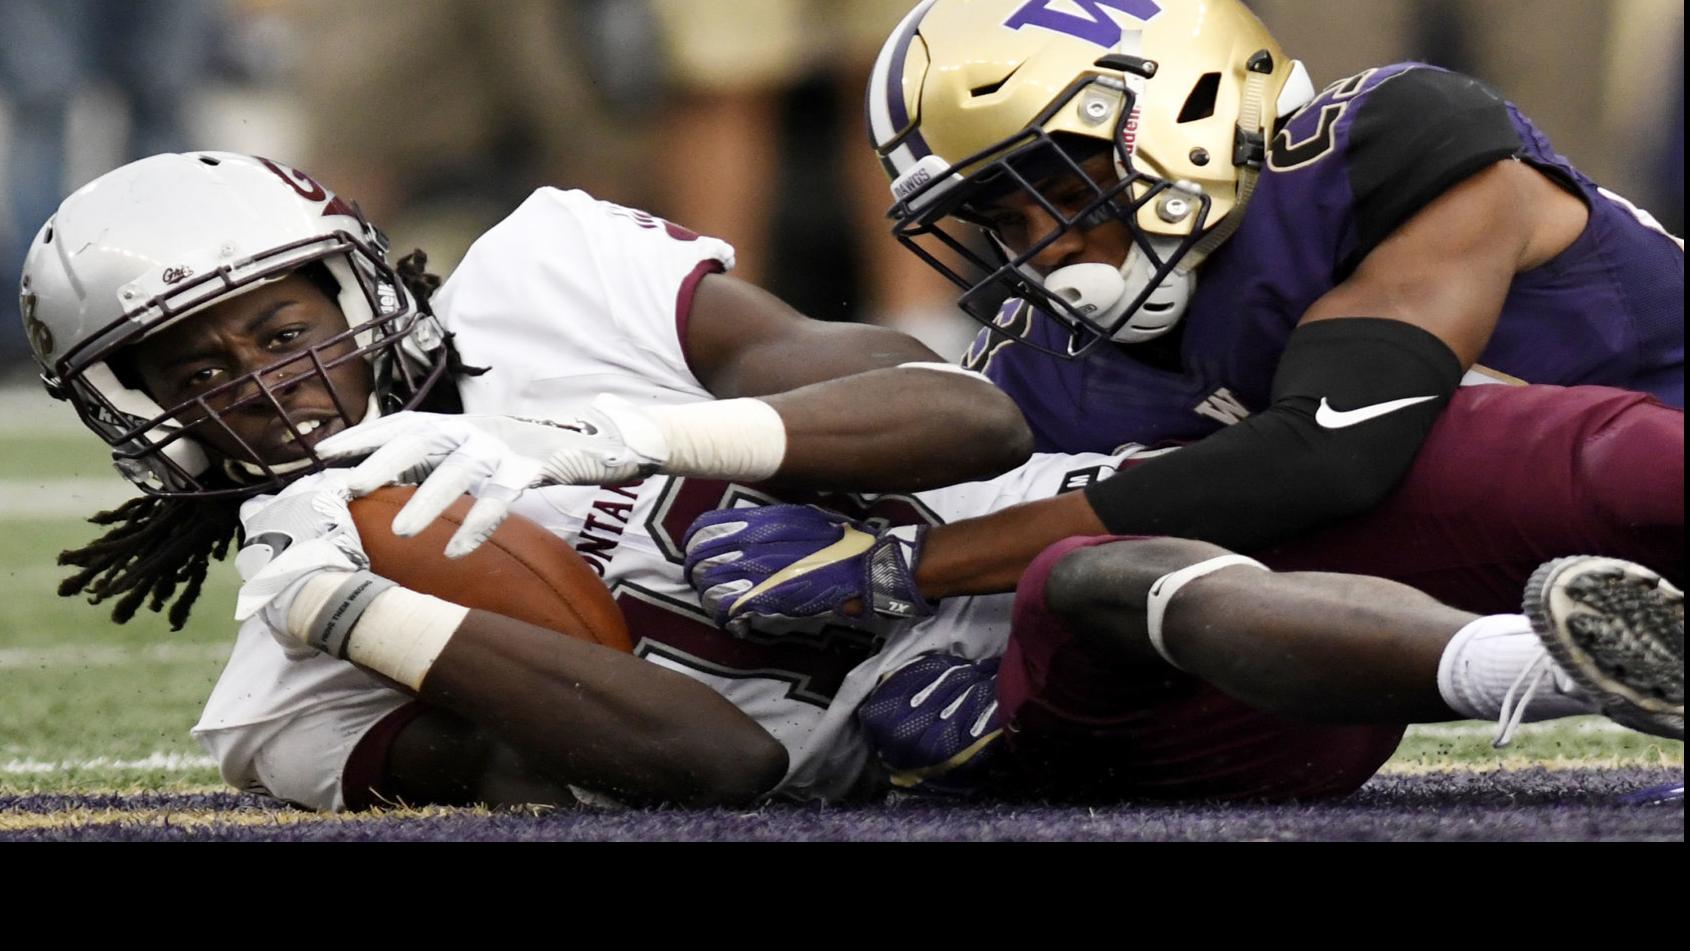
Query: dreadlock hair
[(157, 544), (160, 548)]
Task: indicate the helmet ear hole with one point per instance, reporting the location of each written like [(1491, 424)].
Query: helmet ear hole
[(122, 365), (1201, 103)]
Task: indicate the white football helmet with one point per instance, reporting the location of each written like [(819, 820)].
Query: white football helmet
[(160, 239), (973, 99)]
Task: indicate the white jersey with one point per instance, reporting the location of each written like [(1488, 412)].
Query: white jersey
[(566, 299)]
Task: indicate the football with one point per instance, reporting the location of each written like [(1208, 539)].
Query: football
[(523, 571)]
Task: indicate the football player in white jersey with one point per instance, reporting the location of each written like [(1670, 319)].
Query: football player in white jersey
[(213, 317)]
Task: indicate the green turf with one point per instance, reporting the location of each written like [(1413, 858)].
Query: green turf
[(1579, 739), (89, 701), (32, 614), (54, 456)]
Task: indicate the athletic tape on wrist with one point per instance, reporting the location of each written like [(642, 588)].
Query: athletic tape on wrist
[(375, 623), (722, 439), (1164, 588), (402, 634)]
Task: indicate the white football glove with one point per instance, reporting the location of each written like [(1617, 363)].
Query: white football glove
[(494, 458), (290, 537)]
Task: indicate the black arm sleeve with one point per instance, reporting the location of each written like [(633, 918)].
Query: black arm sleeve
[(1295, 466)]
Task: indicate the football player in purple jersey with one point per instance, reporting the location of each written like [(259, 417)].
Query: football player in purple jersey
[(1172, 237), (1191, 245)]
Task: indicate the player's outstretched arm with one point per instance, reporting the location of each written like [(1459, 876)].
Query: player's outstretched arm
[(800, 402), (1356, 393), (861, 407), (1363, 377)]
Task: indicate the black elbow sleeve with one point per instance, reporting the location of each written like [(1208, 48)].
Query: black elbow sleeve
[(1353, 399)]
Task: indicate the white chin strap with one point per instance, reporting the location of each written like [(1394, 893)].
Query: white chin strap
[(1102, 293)]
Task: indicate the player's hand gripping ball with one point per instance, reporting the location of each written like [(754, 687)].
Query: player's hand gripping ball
[(522, 571)]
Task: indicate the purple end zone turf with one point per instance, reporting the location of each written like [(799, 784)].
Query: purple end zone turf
[(1514, 805)]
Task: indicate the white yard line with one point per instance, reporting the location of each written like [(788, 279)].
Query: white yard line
[(161, 761), (108, 655), (62, 498)]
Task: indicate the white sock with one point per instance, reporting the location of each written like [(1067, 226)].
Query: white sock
[(1485, 658)]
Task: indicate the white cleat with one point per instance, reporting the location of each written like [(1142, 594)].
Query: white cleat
[(1617, 629)]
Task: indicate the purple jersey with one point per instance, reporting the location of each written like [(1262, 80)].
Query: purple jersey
[(1342, 174)]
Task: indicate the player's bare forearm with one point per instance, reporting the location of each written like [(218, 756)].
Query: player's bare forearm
[(580, 714), (855, 417), (987, 555), (899, 429)]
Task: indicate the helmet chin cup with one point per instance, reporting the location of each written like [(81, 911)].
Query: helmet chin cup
[(1163, 306), (1097, 292), (1101, 293)]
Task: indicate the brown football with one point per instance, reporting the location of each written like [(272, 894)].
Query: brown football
[(522, 571)]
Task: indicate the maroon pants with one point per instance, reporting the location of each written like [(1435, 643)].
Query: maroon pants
[(1510, 477)]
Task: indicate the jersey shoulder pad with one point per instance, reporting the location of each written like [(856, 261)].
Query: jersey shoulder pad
[(1404, 134)]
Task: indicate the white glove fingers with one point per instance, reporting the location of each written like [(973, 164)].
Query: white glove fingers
[(493, 501), (434, 496), (483, 520), (387, 463), (512, 475), (366, 437)]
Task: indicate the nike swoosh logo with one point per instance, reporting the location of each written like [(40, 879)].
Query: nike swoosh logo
[(1330, 418), (278, 542), (853, 543)]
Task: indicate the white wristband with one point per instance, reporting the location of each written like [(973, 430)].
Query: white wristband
[(398, 634), (722, 439), (1162, 591)]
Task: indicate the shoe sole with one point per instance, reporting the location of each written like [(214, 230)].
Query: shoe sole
[(1617, 629), (1672, 794)]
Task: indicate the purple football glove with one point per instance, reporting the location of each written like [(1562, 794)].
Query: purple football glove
[(934, 723), (798, 561)]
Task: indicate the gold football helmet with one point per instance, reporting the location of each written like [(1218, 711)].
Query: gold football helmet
[(972, 100)]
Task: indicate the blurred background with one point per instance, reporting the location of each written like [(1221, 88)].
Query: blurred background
[(740, 118)]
